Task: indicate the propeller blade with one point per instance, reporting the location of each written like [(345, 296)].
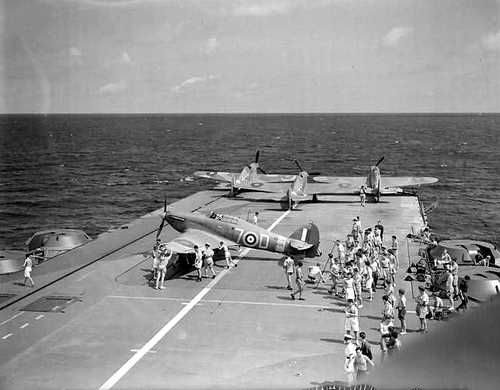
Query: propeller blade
[(257, 155), (160, 228), (298, 165), (380, 161), (262, 171)]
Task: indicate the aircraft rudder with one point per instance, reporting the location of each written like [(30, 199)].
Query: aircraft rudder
[(308, 233)]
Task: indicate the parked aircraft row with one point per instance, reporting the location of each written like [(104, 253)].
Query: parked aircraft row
[(292, 189)]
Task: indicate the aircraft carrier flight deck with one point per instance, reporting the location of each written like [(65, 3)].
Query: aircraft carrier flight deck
[(94, 321)]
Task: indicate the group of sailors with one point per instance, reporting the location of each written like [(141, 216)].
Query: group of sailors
[(356, 267), (203, 261)]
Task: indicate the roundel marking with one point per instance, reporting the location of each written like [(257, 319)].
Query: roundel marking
[(250, 239)]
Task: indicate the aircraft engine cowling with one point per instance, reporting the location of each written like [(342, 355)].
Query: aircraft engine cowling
[(373, 179), (373, 182)]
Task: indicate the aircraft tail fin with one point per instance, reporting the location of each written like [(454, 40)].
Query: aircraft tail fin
[(307, 237), (247, 175), (299, 186), (297, 192)]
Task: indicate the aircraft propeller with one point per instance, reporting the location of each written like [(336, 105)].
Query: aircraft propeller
[(303, 170), (160, 228), (380, 161), (257, 156)]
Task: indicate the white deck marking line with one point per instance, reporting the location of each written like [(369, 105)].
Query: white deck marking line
[(7, 336), (169, 325), (24, 326), (136, 350), (83, 276), (39, 317), (11, 318), (225, 301)]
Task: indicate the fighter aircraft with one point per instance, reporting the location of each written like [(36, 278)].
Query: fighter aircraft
[(199, 229), (250, 174), (301, 190), (374, 185)]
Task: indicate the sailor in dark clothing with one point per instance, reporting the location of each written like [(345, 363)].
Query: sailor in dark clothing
[(463, 287), (380, 227)]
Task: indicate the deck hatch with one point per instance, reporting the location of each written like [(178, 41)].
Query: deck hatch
[(52, 303)]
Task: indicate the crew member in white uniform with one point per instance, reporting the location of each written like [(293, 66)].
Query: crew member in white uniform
[(165, 256), (28, 266), (209, 261), (227, 255), (198, 261)]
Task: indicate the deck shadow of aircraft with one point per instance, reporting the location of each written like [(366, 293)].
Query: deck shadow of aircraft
[(333, 310), (337, 341), (370, 317), (277, 287)]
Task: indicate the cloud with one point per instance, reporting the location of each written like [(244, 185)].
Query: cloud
[(112, 88), (263, 8), (211, 46), (492, 41), (274, 7), (191, 81), (394, 36), (75, 52), (125, 58)]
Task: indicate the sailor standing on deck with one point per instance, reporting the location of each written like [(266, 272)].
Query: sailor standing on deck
[(288, 265), (256, 218), (28, 266), (362, 195), (299, 281), (380, 227), (165, 256), (227, 255), (394, 249), (209, 261), (156, 259), (198, 261)]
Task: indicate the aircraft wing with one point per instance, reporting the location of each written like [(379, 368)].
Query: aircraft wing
[(275, 178), (218, 176), (185, 242), (335, 185), (259, 186), (391, 182)]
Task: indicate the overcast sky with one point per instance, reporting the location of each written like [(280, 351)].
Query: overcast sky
[(124, 56)]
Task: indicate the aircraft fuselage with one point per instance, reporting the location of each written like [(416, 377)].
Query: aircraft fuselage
[(233, 229)]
